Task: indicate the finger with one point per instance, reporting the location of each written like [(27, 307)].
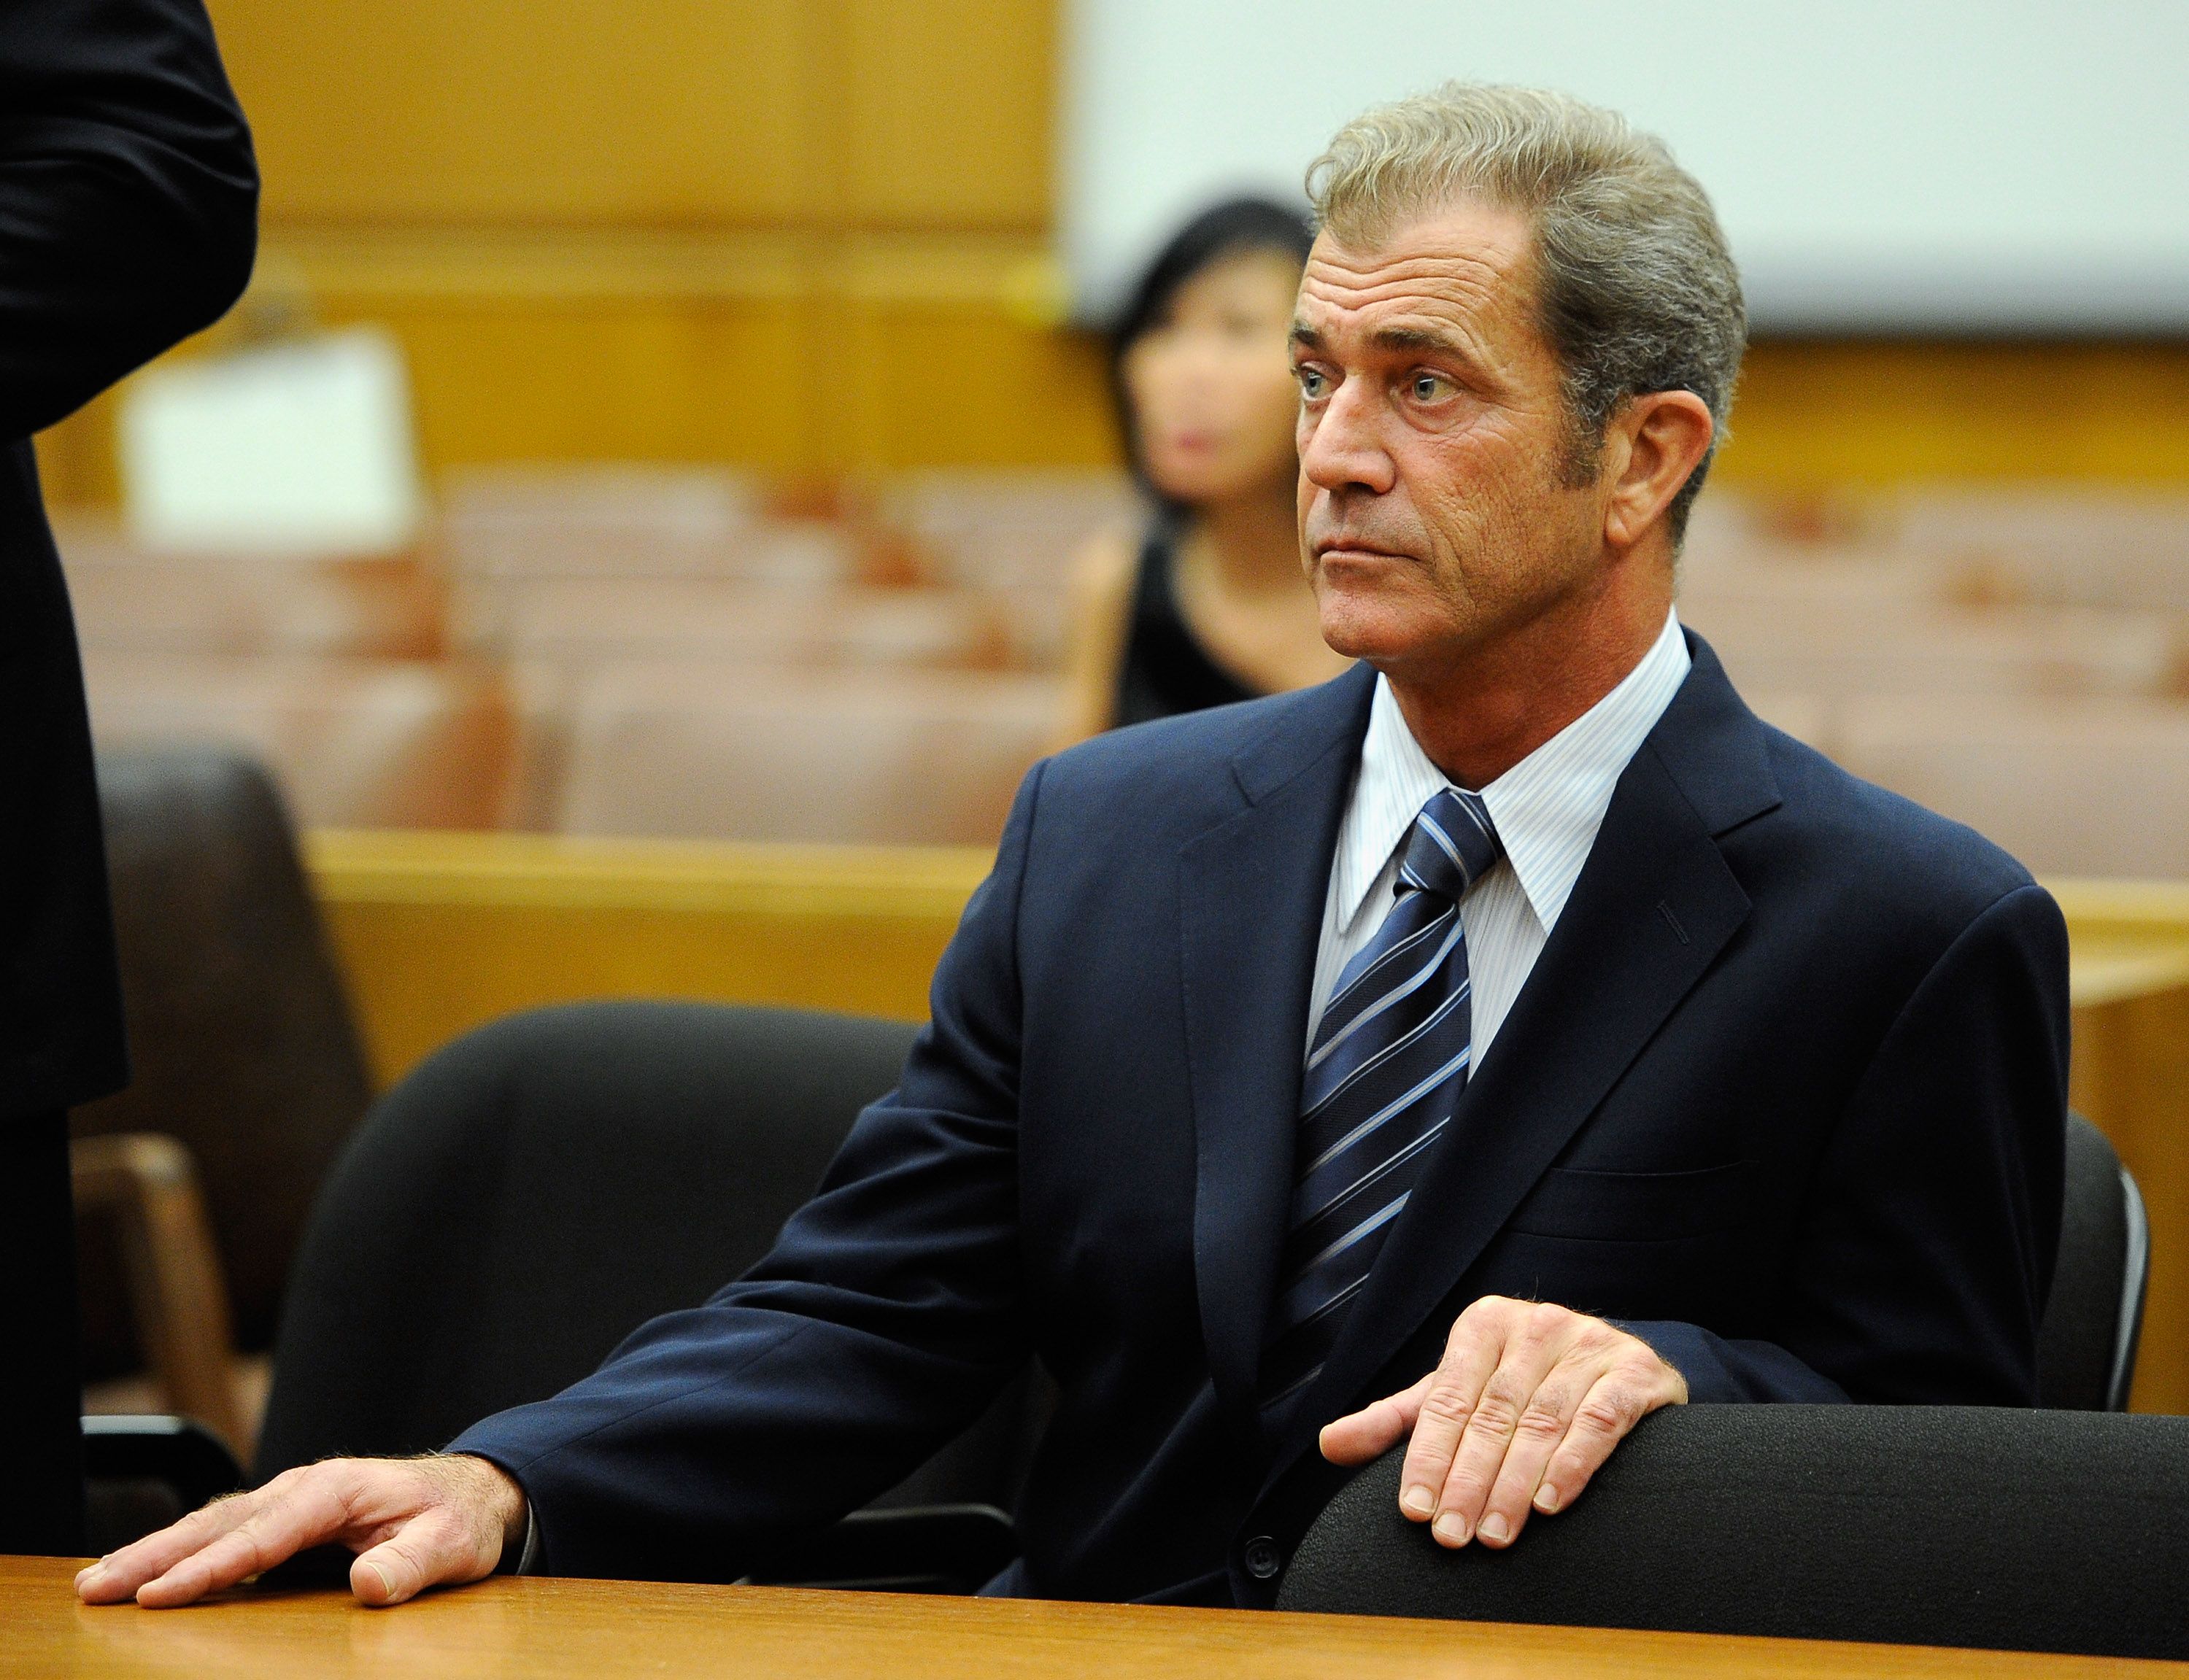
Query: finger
[(1617, 1402), (315, 1509), (436, 1545), (1534, 1344), (1478, 1341), (1375, 1428), (119, 1574), (1539, 1434)]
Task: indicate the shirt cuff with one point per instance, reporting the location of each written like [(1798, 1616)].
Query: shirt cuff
[(528, 1560)]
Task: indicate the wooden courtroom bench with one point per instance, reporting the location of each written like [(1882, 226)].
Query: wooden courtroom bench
[(440, 933)]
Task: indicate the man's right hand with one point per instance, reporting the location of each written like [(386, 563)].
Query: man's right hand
[(415, 1523)]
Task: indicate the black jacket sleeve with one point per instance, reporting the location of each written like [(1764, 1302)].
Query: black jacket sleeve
[(128, 209), (129, 195)]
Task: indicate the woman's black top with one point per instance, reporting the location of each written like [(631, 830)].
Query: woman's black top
[(1165, 669)]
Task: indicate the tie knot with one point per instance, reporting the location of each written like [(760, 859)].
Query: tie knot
[(1452, 845)]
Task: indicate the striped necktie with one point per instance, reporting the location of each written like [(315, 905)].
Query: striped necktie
[(1389, 1060)]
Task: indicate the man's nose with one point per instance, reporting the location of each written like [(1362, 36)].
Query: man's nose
[(1342, 450)]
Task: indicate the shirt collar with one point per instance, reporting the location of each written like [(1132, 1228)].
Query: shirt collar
[(1548, 807)]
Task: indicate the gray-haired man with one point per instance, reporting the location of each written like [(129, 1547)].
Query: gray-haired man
[(1507, 1039)]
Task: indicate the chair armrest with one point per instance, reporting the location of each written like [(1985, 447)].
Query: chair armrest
[(180, 1451), (177, 1293)]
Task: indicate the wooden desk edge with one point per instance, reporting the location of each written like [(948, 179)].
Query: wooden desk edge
[(39, 1612)]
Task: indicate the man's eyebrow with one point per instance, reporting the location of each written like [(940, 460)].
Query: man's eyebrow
[(1306, 336), (1417, 338)]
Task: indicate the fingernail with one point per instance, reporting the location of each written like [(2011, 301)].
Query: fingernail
[(1450, 1528), (1495, 1529), (1547, 1499), (1417, 1502), (387, 1586)]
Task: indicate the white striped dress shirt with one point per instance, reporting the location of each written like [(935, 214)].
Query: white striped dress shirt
[(1548, 809)]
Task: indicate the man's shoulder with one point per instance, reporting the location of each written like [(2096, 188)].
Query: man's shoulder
[(1895, 858), (1207, 758)]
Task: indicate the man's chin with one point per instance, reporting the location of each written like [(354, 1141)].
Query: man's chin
[(1359, 630)]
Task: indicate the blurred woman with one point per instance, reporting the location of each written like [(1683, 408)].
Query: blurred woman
[(1209, 604)]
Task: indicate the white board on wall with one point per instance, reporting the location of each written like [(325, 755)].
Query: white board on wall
[(302, 448), (1879, 165)]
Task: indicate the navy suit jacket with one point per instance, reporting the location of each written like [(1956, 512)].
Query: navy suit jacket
[(1785, 1094)]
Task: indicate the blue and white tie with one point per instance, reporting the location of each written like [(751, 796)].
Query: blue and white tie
[(1390, 1057)]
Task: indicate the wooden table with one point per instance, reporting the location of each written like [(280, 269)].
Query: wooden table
[(595, 1630)]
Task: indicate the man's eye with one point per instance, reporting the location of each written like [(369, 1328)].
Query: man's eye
[(1310, 382), (1429, 387)]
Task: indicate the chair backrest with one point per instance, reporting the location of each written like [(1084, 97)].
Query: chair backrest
[(1938, 1526), (586, 621), (2086, 1346), (128, 599), (1889, 647), (240, 1033), (361, 743), (712, 751), (2070, 784), (532, 1192)]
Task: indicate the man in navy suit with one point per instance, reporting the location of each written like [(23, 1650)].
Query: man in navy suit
[(1480, 1050)]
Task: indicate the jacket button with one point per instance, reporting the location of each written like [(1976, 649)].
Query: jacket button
[(1262, 1557)]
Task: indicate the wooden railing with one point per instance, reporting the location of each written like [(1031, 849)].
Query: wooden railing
[(441, 932)]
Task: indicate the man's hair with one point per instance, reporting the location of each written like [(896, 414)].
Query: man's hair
[(1636, 288)]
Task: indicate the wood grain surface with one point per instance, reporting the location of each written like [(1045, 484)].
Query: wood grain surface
[(601, 1630)]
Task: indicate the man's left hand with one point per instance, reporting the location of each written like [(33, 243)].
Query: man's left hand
[(1527, 1403)]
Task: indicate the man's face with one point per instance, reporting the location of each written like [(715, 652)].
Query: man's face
[(1433, 442)]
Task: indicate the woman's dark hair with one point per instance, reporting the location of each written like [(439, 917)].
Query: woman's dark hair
[(1223, 230)]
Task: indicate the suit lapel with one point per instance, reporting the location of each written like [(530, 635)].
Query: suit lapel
[(1652, 907), (1252, 889)]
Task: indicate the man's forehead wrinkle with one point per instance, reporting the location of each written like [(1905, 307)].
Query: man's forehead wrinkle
[(1455, 315), (1413, 275), (1452, 250), (1461, 289)]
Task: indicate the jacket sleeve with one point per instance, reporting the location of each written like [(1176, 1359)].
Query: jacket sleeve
[(886, 1317), (1927, 1253), (129, 195)]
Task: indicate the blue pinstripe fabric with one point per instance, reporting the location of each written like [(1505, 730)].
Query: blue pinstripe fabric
[(1390, 1057)]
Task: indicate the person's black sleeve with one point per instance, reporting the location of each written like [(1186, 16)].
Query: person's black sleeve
[(129, 195)]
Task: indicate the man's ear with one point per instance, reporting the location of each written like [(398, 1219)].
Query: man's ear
[(1658, 439)]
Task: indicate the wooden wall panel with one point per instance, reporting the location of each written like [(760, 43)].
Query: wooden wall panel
[(800, 232), (605, 110), (534, 380), (963, 387), (949, 113), (1814, 414)]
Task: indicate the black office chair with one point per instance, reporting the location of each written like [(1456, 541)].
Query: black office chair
[(2086, 1346), (143, 1472), (532, 1192), (2040, 1531), (243, 1049), (1988, 1527)]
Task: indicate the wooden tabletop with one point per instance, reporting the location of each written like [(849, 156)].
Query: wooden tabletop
[(600, 1630)]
